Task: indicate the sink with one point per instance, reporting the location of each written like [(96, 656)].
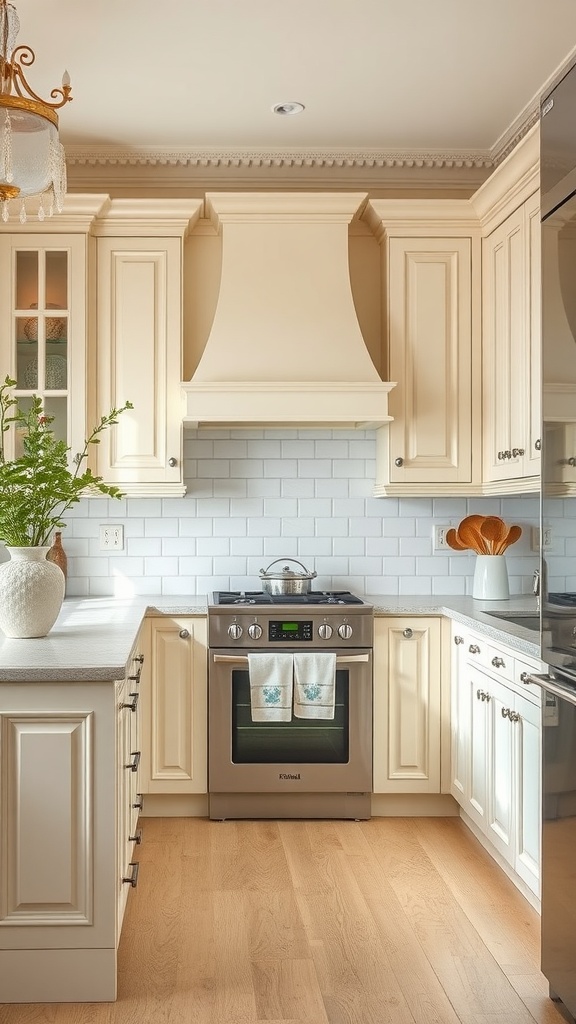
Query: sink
[(529, 620)]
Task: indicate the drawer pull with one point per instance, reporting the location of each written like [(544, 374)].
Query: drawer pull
[(525, 678), (458, 640), (482, 695), (474, 649), (498, 662), (133, 878)]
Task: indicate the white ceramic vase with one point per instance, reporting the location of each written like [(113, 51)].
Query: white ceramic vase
[(31, 593), (490, 578)]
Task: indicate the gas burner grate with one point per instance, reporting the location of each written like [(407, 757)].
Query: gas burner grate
[(314, 597)]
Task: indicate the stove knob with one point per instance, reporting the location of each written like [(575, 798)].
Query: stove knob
[(255, 631), (325, 631), (345, 631), (235, 631)]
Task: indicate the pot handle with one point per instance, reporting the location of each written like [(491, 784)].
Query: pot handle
[(276, 560)]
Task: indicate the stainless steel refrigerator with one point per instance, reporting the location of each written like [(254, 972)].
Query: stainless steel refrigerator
[(558, 536)]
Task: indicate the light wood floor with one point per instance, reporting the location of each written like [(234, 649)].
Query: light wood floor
[(400, 920)]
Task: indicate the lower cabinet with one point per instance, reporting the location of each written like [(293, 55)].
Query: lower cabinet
[(69, 760), (174, 705), (496, 751), (407, 705)]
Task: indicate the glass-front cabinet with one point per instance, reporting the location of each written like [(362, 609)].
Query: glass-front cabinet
[(43, 326)]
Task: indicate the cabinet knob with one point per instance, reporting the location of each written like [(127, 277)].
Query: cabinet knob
[(524, 677), (407, 633), (498, 662), (172, 462), (184, 634), (517, 452), (474, 649), (399, 461), (538, 444), (458, 640)]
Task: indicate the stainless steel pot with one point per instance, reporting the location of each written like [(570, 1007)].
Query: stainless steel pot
[(286, 580)]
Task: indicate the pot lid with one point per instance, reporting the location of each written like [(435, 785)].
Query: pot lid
[(286, 573)]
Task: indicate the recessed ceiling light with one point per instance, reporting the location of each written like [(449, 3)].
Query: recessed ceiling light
[(288, 108)]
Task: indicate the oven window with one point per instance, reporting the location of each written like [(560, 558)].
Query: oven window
[(300, 741)]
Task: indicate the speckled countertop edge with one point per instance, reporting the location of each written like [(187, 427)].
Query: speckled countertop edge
[(93, 638)]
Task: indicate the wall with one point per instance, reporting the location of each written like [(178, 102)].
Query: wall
[(254, 496)]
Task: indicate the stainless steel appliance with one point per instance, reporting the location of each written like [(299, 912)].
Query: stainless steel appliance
[(558, 532), (300, 768)]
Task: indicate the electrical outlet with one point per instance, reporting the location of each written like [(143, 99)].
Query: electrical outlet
[(111, 538), (546, 538), (440, 542)]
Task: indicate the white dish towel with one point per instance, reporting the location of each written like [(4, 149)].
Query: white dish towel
[(271, 686), (314, 685)]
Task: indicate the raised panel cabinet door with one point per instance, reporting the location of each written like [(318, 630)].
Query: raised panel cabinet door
[(527, 803), (430, 357), (407, 719), (139, 339), (501, 770), (476, 805), (460, 696), (532, 458), (174, 707)]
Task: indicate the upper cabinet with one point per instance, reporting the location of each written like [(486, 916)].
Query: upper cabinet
[(431, 256), (44, 313), (509, 209), (139, 318)]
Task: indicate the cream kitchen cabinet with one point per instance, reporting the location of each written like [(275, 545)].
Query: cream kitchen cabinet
[(431, 255), (68, 796), (511, 351), (139, 324), (174, 706), (496, 751), (408, 721), (45, 328)]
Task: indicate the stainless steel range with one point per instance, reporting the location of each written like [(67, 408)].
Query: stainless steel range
[(298, 767)]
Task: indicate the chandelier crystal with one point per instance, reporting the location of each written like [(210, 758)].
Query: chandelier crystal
[(32, 160)]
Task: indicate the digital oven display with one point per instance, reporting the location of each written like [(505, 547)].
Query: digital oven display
[(280, 631)]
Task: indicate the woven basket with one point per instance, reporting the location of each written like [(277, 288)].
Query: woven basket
[(55, 325)]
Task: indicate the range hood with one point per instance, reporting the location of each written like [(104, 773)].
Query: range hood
[(285, 347)]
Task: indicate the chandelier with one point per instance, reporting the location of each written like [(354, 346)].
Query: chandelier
[(32, 160)]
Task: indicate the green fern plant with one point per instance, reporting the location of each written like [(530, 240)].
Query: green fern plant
[(38, 486)]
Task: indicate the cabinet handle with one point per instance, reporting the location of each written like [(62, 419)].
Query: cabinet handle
[(172, 462), (399, 461), (139, 805), (132, 879), (517, 451), (524, 678), (133, 704), (458, 640), (538, 444), (514, 716), (133, 765), (498, 662), (407, 633), (136, 838), (139, 658), (483, 695), (184, 634), (474, 649)]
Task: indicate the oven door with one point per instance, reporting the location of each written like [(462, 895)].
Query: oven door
[(302, 755)]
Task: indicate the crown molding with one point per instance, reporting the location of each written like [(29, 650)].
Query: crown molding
[(120, 168)]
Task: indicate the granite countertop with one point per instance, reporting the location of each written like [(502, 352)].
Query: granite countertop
[(93, 638)]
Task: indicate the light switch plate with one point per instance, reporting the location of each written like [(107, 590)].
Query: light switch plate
[(111, 537)]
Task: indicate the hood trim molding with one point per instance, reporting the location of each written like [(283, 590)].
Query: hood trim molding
[(358, 405)]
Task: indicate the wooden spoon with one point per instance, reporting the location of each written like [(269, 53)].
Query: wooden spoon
[(468, 533), (453, 541), (493, 530), (514, 533)]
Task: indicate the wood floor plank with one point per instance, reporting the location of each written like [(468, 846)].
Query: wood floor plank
[(389, 921)]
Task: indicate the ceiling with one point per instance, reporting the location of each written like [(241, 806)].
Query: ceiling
[(437, 79)]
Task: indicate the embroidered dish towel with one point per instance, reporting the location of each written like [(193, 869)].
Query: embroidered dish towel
[(314, 685), (271, 686)]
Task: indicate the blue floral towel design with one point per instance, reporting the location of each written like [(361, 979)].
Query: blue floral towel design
[(271, 686), (314, 685)]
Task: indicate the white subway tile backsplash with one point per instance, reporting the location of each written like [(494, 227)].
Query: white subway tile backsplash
[(254, 496)]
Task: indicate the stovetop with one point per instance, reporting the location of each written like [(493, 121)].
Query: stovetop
[(258, 597)]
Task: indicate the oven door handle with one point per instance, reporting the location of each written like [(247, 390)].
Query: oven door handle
[(243, 658)]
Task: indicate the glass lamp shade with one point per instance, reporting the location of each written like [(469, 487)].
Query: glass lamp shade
[(31, 141)]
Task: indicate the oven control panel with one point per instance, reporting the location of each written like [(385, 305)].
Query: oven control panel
[(280, 629)]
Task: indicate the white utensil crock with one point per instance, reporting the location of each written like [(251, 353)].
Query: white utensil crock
[(490, 578)]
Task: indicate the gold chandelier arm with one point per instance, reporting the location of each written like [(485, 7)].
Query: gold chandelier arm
[(24, 55)]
